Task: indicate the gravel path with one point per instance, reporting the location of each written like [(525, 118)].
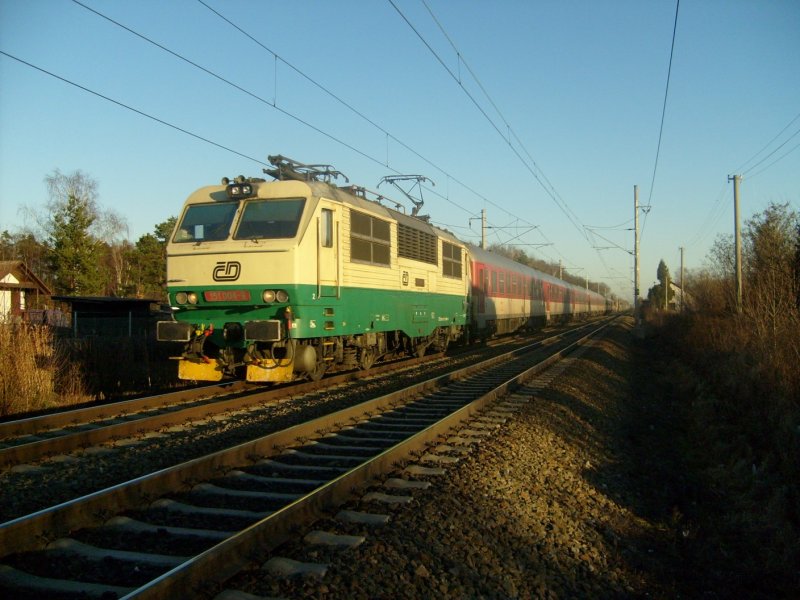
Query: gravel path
[(560, 503)]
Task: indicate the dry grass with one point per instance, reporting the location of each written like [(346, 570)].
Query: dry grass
[(39, 371), (740, 390), (34, 374)]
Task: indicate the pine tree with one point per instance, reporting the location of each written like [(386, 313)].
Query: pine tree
[(150, 261), (73, 256)]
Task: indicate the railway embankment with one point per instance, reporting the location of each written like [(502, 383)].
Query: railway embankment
[(596, 488)]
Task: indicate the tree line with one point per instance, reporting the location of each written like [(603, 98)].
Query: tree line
[(734, 385), (770, 272), (79, 249)]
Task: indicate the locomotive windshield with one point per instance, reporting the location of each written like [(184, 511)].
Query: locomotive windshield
[(206, 222), (270, 219)]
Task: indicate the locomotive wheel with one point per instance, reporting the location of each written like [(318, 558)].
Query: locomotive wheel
[(367, 358), (318, 372)]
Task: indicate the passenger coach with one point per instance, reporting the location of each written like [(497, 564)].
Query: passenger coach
[(508, 296)]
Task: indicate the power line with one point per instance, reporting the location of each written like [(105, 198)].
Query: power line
[(549, 188), (264, 101), (776, 160), (132, 109), (714, 215), (741, 169), (771, 153), (186, 131), (663, 114), (561, 205), (360, 114)]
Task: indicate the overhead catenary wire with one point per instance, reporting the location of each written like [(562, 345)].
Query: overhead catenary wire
[(541, 177), (220, 78), (718, 207), (265, 101), (370, 121), (132, 109), (360, 114), (663, 116), (477, 105)]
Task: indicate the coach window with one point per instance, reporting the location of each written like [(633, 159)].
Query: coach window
[(494, 282), (326, 228), (370, 239), (502, 282), (451, 260)]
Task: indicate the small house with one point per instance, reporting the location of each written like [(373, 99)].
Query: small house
[(20, 289)]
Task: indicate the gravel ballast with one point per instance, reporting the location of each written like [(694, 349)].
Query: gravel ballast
[(558, 503)]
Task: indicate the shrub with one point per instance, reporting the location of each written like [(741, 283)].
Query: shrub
[(33, 370)]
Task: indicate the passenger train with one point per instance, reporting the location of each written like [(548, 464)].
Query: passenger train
[(277, 280)]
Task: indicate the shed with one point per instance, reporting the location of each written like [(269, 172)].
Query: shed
[(17, 285), (112, 317)]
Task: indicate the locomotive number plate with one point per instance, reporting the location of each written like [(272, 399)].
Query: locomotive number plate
[(227, 296)]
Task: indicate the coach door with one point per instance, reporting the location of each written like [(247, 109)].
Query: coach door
[(327, 254)]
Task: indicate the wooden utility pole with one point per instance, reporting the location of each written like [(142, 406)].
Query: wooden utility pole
[(737, 180), (636, 255), (683, 289)]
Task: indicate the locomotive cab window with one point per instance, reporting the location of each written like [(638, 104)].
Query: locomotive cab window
[(206, 222), (370, 239), (451, 260), (270, 219)]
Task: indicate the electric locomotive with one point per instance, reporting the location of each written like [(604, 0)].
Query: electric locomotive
[(277, 280)]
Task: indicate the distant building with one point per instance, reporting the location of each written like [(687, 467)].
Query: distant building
[(19, 289)]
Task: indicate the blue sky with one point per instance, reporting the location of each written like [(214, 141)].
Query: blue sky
[(569, 126)]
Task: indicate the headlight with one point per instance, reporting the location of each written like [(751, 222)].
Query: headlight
[(181, 298), (268, 296), (192, 297), (282, 296)]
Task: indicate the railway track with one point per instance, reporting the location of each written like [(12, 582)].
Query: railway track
[(196, 523), (36, 438)]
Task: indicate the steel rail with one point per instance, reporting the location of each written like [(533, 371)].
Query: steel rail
[(36, 450), (34, 531), (228, 557), (89, 435)]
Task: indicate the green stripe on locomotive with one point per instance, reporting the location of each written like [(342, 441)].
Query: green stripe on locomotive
[(354, 311)]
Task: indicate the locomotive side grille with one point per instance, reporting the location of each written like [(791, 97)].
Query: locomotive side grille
[(416, 245), (263, 331)]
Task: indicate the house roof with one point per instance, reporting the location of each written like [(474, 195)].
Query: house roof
[(109, 304), (27, 278)]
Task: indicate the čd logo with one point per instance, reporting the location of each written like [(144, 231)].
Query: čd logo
[(227, 271)]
